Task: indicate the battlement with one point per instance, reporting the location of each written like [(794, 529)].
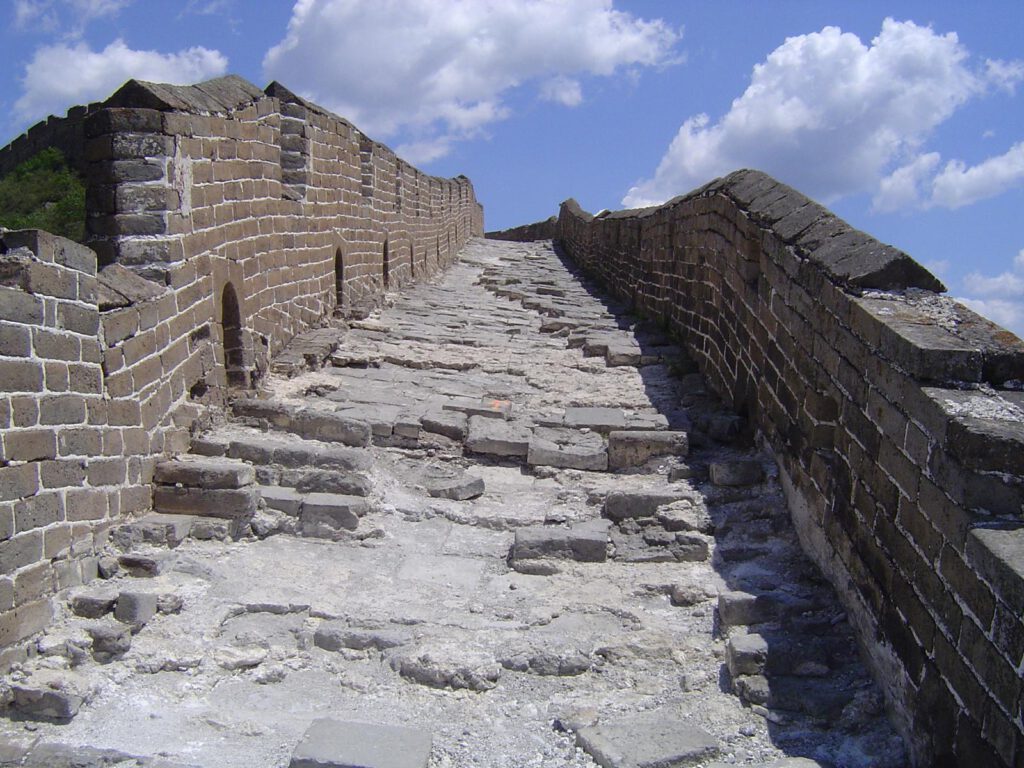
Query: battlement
[(896, 416)]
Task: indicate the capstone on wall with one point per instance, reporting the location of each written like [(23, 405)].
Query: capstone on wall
[(222, 221), (897, 419)]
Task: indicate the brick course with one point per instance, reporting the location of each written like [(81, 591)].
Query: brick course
[(905, 478)]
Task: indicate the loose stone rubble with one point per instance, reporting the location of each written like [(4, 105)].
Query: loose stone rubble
[(498, 523)]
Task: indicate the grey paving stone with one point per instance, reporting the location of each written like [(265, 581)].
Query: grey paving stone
[(135, 608), (652, 739), (451, 424), (567, 448), (331, 743), (585, 543), (492, 408), (495, 437), (602, 420), (324, 515)]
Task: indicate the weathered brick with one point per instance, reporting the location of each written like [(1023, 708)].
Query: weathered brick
[(30, 444), (32, 583), (23, 376), (18, 481), (21, 550), (20, 307), (38, 511), (15, 340), (62, 473), (86, 504), (24, 621)]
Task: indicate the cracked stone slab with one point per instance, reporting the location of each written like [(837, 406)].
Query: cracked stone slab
[(568, 449), (204, 472), (653, 739), (330, 743)]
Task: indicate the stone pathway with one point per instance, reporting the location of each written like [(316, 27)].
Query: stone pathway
[(502, 525)]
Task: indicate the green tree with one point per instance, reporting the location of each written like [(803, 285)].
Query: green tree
[(43, 193)]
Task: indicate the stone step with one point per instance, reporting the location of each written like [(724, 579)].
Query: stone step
[(204, 472), (567, 448), (583, 542), (308, 423), (283, 451), (330, 515), (236, 504), (628, 449)]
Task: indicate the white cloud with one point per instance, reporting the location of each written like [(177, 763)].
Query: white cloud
[(562, 90), (1005, 284), (831, 115), (1001, 297), (440, 68), (921, 184), (61, 75), (71, 15)]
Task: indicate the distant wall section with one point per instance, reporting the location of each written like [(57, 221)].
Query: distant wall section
[(896, 416)]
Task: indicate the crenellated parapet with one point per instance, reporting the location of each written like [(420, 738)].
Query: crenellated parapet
[(896, 416)]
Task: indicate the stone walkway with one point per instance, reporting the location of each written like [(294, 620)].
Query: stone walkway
[(501, 526)]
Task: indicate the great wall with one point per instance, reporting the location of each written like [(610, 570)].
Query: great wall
[(297, 469)]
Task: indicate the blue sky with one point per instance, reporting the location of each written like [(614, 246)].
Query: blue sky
[(907, 118)]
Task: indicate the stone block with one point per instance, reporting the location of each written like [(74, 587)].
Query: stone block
[(633, 448), (156, 528), (327, 481), (335, 635), (567, 448), (204, 472), (135, 608), (228, 503), (623, 505), (332, 428), (647, 740), (586, 542), (491, 408), (93, 605), (326, 515), (49, 695), (603, 420), (746, 654), (110, 640), (340, 744), (736, 473), (450, 424), (742, 608), (282, 498), (496, 437), (456, 485)]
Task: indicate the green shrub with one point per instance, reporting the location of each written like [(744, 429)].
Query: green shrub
[(43, 193)]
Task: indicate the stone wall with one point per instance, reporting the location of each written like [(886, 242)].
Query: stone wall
[(895, 414), (223, 220), (527, 233)]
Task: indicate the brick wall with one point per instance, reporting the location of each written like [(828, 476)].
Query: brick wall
[(224, 220), (896, 416)]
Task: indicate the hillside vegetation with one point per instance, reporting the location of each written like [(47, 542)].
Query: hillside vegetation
[(43, 193)]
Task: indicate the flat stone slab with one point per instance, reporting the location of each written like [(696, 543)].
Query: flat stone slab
[(649, 740), (602, 420), (282, 498), (343, 744), (567, 448), (634, 448), (450, 424), (497, 438), (492, 408), (155, 528), (325, 515), (204, 472), (584, 542)]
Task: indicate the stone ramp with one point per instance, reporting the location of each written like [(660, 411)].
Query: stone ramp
[(651, 610)]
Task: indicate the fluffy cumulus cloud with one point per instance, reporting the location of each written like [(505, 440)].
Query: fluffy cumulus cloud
[(71, 15), (833, 116), (999, 297), (922, 183), (63, 74), (439, 68)]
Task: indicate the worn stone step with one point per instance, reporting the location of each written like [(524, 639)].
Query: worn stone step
[(308, 423), (204, 472), (583, 542), (229, 503), (284, 451), (327, 515), (624, 505), (653, 738), (634, 448), (567, 448)]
